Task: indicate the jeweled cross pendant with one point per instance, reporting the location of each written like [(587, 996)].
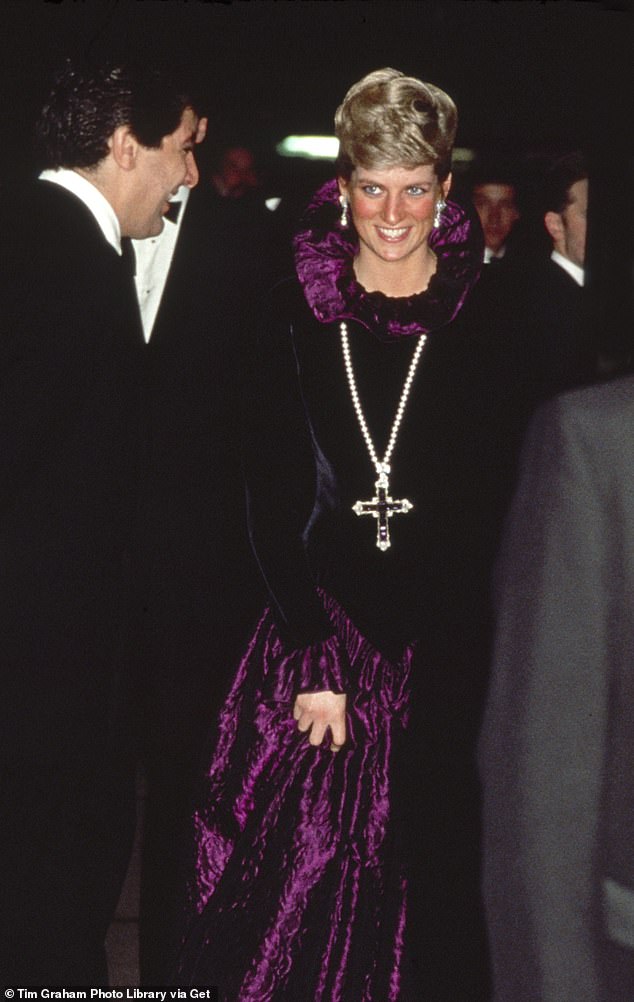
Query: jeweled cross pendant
[(382, 507)]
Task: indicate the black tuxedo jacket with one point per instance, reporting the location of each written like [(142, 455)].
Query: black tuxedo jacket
[(533, 326), (540, 322), (554, 320), (70, 355)]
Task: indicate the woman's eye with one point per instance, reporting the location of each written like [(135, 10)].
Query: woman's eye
[(416, 189), (371, 189)]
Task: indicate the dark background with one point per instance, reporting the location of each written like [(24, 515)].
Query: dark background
[(529, 78), (524, 75)]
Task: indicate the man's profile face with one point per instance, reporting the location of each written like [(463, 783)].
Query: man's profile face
[(575, 221), (161, 172), (497, 209)]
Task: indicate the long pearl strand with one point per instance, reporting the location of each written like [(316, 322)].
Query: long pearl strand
[(380, 466)]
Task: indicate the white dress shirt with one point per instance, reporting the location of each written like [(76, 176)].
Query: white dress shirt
[(573, 269), (153, 260), (92, 198)]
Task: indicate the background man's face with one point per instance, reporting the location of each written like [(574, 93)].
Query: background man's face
[(238, 174), (497, 209), (575, 223)]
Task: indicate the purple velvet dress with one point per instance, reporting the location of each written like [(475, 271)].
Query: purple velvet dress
[(292, 885), (296, 889)]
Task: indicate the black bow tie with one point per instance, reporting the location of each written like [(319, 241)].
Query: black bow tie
[(173, 212), (128, 257)]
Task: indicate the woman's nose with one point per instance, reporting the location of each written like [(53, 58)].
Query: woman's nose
[(392, 211)]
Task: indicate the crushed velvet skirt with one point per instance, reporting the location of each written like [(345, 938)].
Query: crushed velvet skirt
[(296, 892)]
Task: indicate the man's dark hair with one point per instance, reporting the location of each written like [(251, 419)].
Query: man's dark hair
[(492, 169), (559, 179), (88, 102)]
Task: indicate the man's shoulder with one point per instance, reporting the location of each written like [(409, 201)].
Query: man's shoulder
[(41, 213), (50, 199), (53, 252), (612, 396), (535, 272), (602, 413)]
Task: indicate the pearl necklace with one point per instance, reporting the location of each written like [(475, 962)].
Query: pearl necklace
[(382, 506)]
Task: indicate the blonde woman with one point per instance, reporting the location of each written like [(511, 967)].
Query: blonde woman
[(336, 841)]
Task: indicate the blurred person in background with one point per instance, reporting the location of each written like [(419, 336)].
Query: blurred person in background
[(495, 198), (543, 303), (235, 172)]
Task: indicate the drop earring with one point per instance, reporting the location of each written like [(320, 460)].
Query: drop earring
[(441, 205), (343, 219)]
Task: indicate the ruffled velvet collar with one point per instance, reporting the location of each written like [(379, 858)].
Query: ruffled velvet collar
[(324, 254)]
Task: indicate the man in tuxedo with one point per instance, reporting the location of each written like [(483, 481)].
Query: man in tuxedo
[(569, 353), (557, 749), (116, 143), (535, 316), (198, 591), (547, 304)]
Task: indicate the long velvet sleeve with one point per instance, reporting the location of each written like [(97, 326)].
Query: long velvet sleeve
[(282, 470)]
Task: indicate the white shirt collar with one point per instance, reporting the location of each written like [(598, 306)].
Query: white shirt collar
[(181, 196), (489, 255), (573, 269), (92, 198)]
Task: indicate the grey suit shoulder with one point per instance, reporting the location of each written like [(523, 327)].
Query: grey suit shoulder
[(557, 747)]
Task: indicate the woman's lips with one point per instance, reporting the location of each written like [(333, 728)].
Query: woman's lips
[(394, 234)]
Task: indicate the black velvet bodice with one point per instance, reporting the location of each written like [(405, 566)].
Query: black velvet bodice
[(307, 464)]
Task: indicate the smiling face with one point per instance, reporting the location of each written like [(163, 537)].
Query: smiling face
[(159, 173), (393, 213)]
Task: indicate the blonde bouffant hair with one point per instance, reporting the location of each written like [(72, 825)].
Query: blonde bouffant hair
[(390, 120)]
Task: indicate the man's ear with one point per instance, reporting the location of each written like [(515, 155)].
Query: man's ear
[(554, 226), (201, 131), (124, 147)]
